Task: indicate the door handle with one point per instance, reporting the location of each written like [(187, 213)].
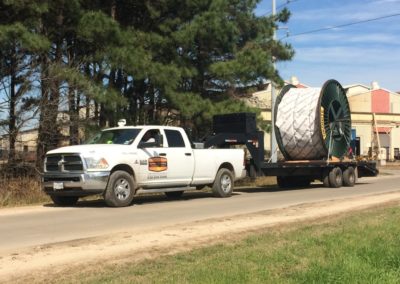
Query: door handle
[(188, 154), (162, 154)]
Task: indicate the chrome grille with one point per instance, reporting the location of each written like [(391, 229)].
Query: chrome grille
[(64, 163)]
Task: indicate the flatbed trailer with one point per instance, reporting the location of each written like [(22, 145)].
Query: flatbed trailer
[(332, 172)]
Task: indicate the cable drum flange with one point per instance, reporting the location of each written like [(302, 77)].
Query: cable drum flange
[(312, 122)]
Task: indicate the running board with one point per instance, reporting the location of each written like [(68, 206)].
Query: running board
[(161, 190)]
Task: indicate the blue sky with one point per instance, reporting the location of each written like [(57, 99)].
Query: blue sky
[(355, 54)]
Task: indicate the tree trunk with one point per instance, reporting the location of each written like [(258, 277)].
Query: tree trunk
[(73, 111), (43, 117), (12, 129)]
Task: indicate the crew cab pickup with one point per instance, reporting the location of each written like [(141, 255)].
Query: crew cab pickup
[(123, 161)]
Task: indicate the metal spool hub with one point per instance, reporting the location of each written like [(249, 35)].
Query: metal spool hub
[(311, 122)]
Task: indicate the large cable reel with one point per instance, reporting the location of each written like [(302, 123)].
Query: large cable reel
[(313, 123)]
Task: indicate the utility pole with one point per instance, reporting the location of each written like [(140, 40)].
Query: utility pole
[(273, 99)]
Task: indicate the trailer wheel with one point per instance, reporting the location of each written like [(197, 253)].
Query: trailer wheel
[(325, 178), (120, 189), (335, 177), (349, 177), (223, 183)]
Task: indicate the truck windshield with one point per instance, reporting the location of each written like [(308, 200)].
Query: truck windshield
[(115, 136)]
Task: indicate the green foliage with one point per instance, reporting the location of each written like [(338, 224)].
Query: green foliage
[(19, 35), (163, 61)]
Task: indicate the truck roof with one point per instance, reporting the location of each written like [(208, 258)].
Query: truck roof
[(143, 127)]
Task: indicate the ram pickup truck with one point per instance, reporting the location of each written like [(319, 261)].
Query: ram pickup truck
[(123, 161)]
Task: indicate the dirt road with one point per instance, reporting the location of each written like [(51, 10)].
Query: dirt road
[(36, 240)]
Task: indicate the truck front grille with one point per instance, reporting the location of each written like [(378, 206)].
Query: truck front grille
[(64, 163)]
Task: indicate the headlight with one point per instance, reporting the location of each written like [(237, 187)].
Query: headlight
[(96, 163)]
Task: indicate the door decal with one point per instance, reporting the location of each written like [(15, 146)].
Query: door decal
[(158, 164)]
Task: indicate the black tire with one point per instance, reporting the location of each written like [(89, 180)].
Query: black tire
[(120, 189), (349, 177), (64, 200), (223, 183), (325, 179), (173, 194), (335, 177)]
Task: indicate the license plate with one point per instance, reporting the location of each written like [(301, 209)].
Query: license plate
[(58, 185)]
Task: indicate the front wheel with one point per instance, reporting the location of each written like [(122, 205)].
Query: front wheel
[(120, 189), (64, 200), (223, 183)]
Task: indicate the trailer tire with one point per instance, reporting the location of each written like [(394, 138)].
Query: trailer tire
[(325, 179), (335, 177), (174, 194), (64, 200), (223, 183), (120, 189), (349, 177)]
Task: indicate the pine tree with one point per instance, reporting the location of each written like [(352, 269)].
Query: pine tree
[(19, 45)]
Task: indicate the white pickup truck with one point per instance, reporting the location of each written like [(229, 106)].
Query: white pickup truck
[(123, 161)]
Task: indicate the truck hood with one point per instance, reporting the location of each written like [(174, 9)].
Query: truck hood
[(92, 149)]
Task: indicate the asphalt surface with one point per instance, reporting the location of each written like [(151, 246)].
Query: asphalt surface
[(41, 225)]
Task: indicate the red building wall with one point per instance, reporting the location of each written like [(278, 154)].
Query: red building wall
[(380, 101)]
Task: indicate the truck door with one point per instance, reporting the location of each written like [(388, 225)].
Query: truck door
[(169, 165), (180, 157)]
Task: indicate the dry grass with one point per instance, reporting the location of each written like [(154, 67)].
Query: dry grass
[(20, 185), (21, 191), (257, 182)]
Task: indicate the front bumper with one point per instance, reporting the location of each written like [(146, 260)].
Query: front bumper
[(79, 184)]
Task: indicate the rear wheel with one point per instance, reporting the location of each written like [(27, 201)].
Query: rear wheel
[(335, 177), (223, 183), (120, 189), (325, 178), (173, 194), (349, 177), (64, 200)]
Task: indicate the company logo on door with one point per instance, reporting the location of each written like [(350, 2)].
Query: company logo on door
[(158, 164)]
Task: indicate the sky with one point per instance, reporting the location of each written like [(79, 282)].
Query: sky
[(356, 54)]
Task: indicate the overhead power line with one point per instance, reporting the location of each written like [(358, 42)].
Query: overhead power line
[(279, 7), (344, 25)]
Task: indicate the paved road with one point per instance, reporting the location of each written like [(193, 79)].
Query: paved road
[(40, 225)]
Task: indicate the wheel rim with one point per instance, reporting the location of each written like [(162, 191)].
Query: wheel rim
[(122, 189), (226, 183), (352, 178)]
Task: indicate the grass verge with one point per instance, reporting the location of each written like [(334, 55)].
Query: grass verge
[(361, 248)]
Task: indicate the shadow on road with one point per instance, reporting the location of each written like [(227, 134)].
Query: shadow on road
[(142, 199)]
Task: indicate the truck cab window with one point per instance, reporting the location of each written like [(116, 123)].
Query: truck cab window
[(149, 138), (174, 139)]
